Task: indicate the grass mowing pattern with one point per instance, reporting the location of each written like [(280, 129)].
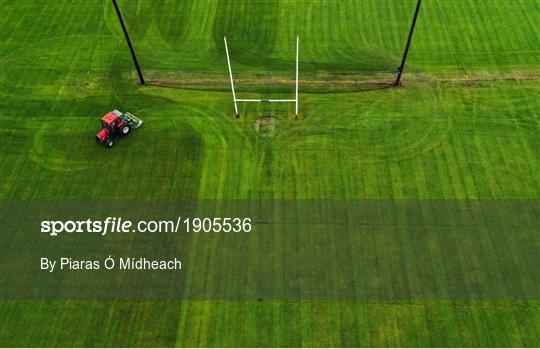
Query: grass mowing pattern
[(465, 128)]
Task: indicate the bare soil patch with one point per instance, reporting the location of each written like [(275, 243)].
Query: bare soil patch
[(266, 126)]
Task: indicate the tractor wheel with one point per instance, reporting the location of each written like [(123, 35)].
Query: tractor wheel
[(109, 143), (125, 130)]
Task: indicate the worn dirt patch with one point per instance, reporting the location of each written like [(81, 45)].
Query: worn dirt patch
[(266, 126)]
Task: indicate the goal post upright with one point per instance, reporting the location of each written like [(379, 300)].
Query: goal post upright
[(128, 40), (296, 92), (231, 77), (408, 44)]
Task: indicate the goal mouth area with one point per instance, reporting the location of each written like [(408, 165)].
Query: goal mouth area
[(237, 100)]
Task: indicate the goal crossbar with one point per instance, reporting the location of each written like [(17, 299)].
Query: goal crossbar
[(267, 100), (236, 100)]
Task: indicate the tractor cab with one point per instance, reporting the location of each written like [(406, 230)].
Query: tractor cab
[(114, 124), (109, 120)]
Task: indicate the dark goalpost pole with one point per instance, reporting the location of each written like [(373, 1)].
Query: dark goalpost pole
[(409, 39), (131, 49)]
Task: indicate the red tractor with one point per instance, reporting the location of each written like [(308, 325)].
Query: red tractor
[(115, 124)]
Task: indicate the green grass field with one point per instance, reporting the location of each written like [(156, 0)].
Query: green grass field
[(464, 129)]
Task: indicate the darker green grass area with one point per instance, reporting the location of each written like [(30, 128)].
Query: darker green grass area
[(270, 324), (465, 127)]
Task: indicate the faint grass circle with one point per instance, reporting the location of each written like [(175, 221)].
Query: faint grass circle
[(393, 125), (61, 151)]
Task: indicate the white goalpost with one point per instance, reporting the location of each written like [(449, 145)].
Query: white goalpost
[(236, 100)]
